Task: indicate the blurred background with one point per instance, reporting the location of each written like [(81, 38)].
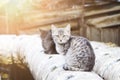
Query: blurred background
[(98, 20)]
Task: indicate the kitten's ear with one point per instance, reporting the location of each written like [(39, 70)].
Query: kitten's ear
[(43, 33), (53, 27), (68, 27)]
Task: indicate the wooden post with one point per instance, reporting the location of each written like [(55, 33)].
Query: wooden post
[(82, 21)]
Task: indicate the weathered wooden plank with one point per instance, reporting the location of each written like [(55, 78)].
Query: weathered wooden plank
[(94, 33), (104, 34), (95, 10), (110, 35), (88, 34), (98, 2), (40, 14), (46, 18), (42, 22), (42, 18), (35, 29), (56, 5), (89, 11), (115, 35), (105, 21)]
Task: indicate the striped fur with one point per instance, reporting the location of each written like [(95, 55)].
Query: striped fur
[(78, 52)]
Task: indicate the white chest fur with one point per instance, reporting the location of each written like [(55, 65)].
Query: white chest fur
[(60, 49)]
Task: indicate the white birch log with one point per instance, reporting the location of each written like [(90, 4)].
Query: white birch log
[(107, 63), (49, 67)]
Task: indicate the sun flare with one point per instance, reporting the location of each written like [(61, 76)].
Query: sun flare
[(12, 11), (14, 5)]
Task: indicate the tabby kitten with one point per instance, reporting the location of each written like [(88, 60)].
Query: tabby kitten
[(78, 52), (47, 42)]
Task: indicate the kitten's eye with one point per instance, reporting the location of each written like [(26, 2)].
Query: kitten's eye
[(57, 35), (66, 36), (63, 35)]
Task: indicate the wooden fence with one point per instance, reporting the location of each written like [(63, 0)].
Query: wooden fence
[(92, 20)]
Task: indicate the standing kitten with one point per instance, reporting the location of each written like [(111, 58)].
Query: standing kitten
[(47, 42), (78, 52)]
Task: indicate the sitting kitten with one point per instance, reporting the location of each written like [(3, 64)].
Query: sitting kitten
[(47, 42), (78, 52)]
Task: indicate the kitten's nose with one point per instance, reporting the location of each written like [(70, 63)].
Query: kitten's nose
[(60, 40)]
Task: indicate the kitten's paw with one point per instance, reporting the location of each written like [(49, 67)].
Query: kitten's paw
[(65, 67)]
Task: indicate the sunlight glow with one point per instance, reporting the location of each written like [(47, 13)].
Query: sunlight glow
[(13, 10), (14, 5), (3, 2)]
